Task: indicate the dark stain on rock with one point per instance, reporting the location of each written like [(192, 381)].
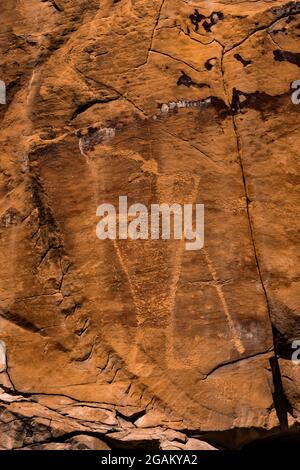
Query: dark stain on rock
[(185, 80), (283, 344), (207, 26), (220, 107), (196, 18), (235, 101), (243, 61), (209, 64), (210, 21), (290, 19), (286, 56), (281, 30), (290, 8), (214, 18), (262, 102)]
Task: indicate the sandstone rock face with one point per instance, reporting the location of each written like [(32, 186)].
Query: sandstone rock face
[(125, 344)]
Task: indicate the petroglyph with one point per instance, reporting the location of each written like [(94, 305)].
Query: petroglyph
[(173, 105)]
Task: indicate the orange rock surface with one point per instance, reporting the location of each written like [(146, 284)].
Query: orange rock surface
[(142, 343)]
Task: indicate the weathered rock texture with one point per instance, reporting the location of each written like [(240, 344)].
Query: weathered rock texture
[(143, 344)]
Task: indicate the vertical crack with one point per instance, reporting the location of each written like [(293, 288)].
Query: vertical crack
[(155, 28), (281, 404)]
